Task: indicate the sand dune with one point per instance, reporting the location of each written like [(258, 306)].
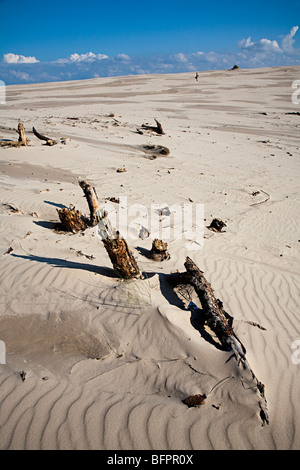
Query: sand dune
[(106, 363)]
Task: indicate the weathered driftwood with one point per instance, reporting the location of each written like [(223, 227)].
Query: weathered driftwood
[(43, 137), (159, 250), (92, 200), (22, 141), (71, 220), (220, 322), (158, 128)]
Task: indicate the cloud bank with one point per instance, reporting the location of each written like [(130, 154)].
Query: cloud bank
[(265, 52), (18, 59)]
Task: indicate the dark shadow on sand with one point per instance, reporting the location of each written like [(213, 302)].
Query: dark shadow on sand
[(55, 204), (143, 251), (46, 224), (62, 263), (196, 314)]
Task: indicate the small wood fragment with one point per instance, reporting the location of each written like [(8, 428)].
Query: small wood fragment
[(216, 225), (195, 400), (23, 375)]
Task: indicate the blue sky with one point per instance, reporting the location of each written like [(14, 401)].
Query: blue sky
[(63, 40)]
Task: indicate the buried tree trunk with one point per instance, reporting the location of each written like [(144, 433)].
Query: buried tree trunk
[(220, 322)]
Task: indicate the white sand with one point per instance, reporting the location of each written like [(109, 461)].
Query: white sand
[(108, 363)]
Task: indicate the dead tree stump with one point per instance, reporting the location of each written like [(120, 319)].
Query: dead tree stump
[(71, 220), (121, 257), (117, 249)]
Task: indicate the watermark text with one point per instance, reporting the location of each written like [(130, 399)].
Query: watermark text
[(296, 93), (296, 353)]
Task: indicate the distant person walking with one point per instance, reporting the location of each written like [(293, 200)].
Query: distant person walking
[(196, 76)]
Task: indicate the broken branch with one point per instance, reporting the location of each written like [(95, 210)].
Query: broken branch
[(158, 128), (92, 200), (43, 137)]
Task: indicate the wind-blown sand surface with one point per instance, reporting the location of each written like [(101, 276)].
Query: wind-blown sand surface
[(108, 362)]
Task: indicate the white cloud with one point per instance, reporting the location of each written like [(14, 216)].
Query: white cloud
[(180, 57), (18, 59), (23, 76), (288, 41), (77, 58), (123, 57), (267, 45), (250, 53), (263, 45)]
